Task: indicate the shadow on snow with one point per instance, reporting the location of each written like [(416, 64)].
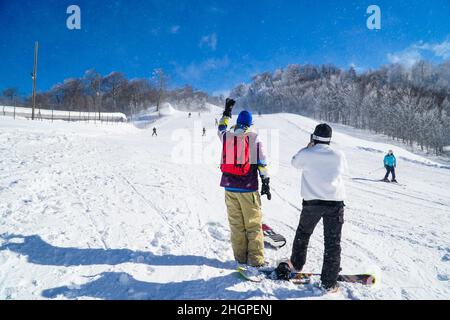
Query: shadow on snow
[(120, 285), (40, 252)]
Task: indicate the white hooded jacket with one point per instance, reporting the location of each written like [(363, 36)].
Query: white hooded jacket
[(323, 169)]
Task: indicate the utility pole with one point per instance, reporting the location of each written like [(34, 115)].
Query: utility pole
[(161, 82), (36, 48), (99, 106)]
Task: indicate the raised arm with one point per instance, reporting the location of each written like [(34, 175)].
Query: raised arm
[(224, 121), (297, 160)]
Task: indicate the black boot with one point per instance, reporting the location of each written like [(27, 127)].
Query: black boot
[(283, 271)]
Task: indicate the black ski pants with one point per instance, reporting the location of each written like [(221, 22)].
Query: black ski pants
[(333, 218), (390, 170)]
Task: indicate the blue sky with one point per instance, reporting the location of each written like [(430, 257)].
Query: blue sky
[(212, 45)]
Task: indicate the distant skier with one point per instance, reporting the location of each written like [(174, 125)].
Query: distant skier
[(204, 132), (242, 158), (189, 115), (154, 132), (390, 163), (323, 194), (216, 123)]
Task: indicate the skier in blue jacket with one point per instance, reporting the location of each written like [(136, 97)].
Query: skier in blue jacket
[(390, 163)]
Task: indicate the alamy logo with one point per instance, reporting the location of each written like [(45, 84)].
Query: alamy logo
[(374, 20), (191, 148), (73, 22)]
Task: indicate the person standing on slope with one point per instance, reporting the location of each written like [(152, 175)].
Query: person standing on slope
[(242, 158), (323, 194), (154, 132), (390, 163)]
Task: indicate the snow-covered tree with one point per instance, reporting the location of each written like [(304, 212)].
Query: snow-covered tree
[(406, 104)]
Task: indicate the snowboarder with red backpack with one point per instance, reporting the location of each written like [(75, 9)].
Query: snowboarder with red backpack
[(242, 159)]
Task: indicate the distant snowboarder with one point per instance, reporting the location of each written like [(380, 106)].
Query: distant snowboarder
[(323, 193), (204, 132), (154, 132), (390, 163), (242, 158)]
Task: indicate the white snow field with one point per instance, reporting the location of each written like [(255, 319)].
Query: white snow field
[(96, 211)]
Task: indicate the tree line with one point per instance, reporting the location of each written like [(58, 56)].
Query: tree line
[(408, 104), (112, 93)]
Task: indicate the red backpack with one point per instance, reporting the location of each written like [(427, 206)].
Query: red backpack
[(235, 155)]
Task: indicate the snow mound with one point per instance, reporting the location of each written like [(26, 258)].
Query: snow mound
[(166, 109), (212, 108)]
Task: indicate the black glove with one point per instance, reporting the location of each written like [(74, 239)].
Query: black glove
[(229, 103), (265, 190)]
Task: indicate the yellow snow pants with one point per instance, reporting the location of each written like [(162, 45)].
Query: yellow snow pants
[(245, 218)]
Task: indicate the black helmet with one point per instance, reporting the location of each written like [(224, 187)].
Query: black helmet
[(322, 133)]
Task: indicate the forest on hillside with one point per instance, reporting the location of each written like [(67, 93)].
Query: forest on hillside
[(113, 93), (409, 104)]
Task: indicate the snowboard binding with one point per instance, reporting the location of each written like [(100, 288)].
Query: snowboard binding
[(283, 271)]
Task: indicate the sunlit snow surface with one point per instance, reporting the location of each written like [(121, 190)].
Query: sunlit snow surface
[(102, 211)]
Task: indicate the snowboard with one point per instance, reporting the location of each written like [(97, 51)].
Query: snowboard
[(273, 239), (376, 180), (254, 275), (390, 182)]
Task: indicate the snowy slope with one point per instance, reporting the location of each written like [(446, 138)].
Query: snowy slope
[(108, 212)]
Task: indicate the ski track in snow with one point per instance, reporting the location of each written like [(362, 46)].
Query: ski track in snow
[(92, 211)]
